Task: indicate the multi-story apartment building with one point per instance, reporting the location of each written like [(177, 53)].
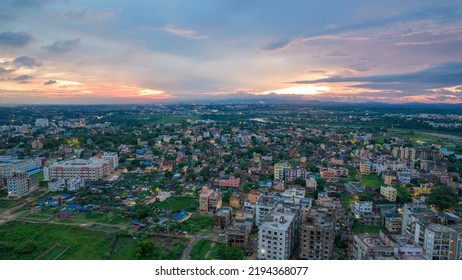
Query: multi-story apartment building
[(10, 166), (393, 224), (311, 184), (93, 169), (278, 234), (389, 193), (231, 182), (72, 185), (404, 153), (441, 242), (279, 170), (20, 184), (365, 167), (215, 201), (362, 207), (265, 206), (222, 218), (317, 231), (113, 158), (204, 199)]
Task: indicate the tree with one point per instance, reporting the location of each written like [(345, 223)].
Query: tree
[(443, 198), (144, 249)]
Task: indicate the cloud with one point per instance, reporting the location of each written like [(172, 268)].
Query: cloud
[(62, 47), (22, 78), (86, 14), (15, 39), (186, 33), (337, 54), (441, 75), (278, 45), (25, 61), (49, 82), (3, 70)]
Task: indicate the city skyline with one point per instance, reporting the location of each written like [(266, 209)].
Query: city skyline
[(155, 51)]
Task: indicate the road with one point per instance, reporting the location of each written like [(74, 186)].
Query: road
[(194, 240)]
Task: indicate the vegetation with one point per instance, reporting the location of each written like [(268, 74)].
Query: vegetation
[(443, 198), (179, 203)]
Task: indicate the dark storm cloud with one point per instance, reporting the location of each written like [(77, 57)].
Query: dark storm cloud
[(49, 82)]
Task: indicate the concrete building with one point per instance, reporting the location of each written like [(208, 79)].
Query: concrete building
[(311, 184), (93, 169), (333, 173), (278, 234), (235, 200), (237, 236), (440, 242), (393, 224), (317, 232), (389, 193), (72, 185), (113, 158), (41, 122), (390, 180), (293, 195), (404, 153), (215, 201), (365, 167), (279, 171), (204, 199), (231, 182), (37, 145), (9, 167), (362, 207), (20, 184), (222, 218), (265, 205)]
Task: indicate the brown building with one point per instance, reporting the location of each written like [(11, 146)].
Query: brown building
[(235, 200), (222, 218), (317, 231), (236, 236)]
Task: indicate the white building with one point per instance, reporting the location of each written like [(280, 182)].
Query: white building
[(30, 166), (362, 207), (41, 122), (93, 169), (265, 205), (389, 193), (293, 195), (278, 235), (311, 183), (111, 157), (72, 185), (20, 184)]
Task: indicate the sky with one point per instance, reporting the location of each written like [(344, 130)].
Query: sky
[(144, 51)]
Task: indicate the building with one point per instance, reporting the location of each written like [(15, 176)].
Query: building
[(440, 243), (278, 235), (362, 207), (9, 166), (57, 185), (204, 199), (279, 171), (93, 169), (390, 180), (389, 193), (293, 195), (237, 236), (75, 184), (265, 206), (113, 158), (231, 182), (72, 185), (393, 224), (37, 145), (404, 153), (222, 218), (215, 201), (333, 173), (235, 200), (365, 167), (384, 246), (331, 203), (311, 184), (20, 184), (41, 122), (317, 232)]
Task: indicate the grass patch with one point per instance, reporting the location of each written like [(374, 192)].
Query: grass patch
[(358, 228), (196, 223), (199, 250), (222, 252), (26, 241), (155, 248), (7, 204), (372, 181), (346, 200), (178, 203)]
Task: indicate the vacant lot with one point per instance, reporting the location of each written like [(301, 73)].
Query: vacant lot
[(178, 203), (26, 241)]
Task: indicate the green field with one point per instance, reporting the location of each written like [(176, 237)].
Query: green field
[(163, 248), (26, 241), (199, 250), (358, 228), (7, 204), (179, 203), (372, 181), (197, 223)]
